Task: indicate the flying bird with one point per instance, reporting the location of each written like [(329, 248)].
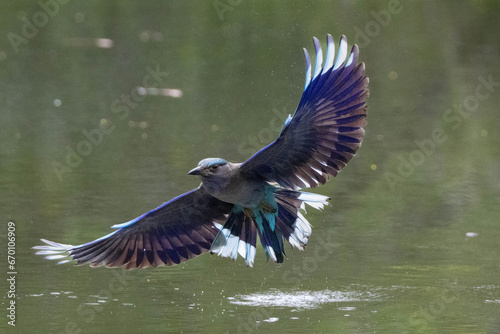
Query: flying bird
[(238, 203)]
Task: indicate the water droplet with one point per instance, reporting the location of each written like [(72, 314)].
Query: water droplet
[(393, 75)]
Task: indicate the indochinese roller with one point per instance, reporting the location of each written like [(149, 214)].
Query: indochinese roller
[(261, 198)]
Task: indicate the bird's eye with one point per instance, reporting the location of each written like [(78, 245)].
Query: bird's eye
[(214, 167)]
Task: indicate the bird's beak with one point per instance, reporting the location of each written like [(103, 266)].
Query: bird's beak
[(195, 171)]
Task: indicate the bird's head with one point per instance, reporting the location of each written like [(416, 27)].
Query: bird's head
[(211, 168)]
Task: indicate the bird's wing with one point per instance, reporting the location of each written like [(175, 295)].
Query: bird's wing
[(327, 128), (172, 233)]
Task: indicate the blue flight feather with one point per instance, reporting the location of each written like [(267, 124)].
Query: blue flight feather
[(135, 220)]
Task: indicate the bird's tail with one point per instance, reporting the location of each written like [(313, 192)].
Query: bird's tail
[(290, 221), (239, 233)]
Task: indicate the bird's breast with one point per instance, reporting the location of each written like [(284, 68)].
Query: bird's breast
[(242, 192)]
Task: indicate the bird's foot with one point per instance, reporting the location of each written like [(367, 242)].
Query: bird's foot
[(249, 213), (267, 207)]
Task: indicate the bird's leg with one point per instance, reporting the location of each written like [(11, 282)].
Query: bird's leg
[(249, 213), (267, 207)]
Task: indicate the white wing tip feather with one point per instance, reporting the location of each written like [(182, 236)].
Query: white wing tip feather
[(55, 251), (330, 52), (342, 54), (319, 58), (308, 68), (331, 60)]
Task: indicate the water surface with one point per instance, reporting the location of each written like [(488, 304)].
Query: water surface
[(409, 243)]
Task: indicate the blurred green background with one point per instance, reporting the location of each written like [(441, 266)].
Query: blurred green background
[(410, 242)]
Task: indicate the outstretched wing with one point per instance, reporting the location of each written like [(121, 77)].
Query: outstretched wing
[(174, 232), (327, 128)]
